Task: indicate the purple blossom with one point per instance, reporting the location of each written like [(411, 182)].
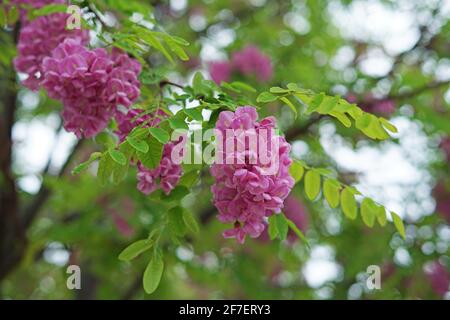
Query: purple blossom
[(220, 71), (243, 194), (37, 39), (167, 175), (90, 84), (439, 277), (251, 61)]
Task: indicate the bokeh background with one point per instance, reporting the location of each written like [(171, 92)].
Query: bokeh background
[(391, 57)]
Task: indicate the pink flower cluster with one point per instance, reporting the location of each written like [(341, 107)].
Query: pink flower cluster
[(250, 61), (37, 39), (90, 83), (243, 193), (439, 278), (383, 107), (167, 175)]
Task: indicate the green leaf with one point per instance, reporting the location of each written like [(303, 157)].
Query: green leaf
[(152, 158), (290, 105), (297, 231), (328, 105), (3, 19), (312, 184), (398, 224), (266, 97), (189, 178), (177, 194), (135, 249), (13, 15), (194, 113), (278, 90), (282, 226), (139, 145), (153, 273), (331, 192), (273, 230), (48, 9), (178, 123), (315, 103), (342, 118), (348, 203), (368, 212), (190, 222), (292, 86), (149, 37), (381, 216), (175, 48), (388, 125), (176, 221), (82, 166), (118, 156), (105, 168), (296, 170), (197, 83), (160, 134), (243, 86)]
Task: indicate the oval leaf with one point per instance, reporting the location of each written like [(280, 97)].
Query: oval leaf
[(348, 203), (153, 273), (135, 249), (312, 184), (331, 193)]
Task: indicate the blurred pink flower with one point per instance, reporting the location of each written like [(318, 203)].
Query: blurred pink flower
[(242, 193), (220, 71), (439, 277), (442, 196), (251, 61), (445, 147)]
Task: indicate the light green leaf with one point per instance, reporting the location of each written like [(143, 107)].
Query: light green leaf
[(278, 90), (312, 184), (266, 97), (13, 15), (139, 145), (152, 158), (243, 86), (118, 156), (296, 170), (297, 231), (135, 249), (190, 222), (368, 212), (282, 226), (348, 203), (388, 125), (381, 216), (290, 105), (398, 224), (273, 230), (105, 168), (331, 192), (82, 166), (160, 134), (153, 273), (176, 221)]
